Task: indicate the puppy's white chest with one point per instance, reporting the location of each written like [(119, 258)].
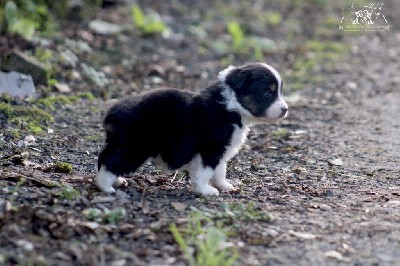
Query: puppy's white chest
[(237, 139)]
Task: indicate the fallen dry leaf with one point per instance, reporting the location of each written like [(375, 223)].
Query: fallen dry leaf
[(179, 206)]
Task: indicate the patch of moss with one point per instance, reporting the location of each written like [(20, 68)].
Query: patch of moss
[(62, 167), (52, 101), (30, 118)]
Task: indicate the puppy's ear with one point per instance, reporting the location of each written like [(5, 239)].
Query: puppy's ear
[(234, 77)]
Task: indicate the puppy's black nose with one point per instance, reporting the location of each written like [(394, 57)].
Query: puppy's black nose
[(284, 110)]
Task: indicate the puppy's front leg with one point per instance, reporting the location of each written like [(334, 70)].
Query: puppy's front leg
[(218, 179), (105, 179)]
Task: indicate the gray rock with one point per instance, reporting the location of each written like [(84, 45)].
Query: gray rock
[(17, 84), (23, 63)]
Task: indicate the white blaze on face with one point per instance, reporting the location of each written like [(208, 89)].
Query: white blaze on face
[(275, 111)]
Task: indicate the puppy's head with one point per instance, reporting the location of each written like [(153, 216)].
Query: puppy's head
[(258, 90)]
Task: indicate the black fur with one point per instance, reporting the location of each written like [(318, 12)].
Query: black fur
[(174, 124)]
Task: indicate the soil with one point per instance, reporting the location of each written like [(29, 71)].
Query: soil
[(328, 175)]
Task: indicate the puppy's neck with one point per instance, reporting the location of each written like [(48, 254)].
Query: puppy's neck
[(232, 104)]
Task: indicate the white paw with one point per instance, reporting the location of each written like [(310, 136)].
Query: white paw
[(207, 190), (105, 179), (224, 186), (120, 181)]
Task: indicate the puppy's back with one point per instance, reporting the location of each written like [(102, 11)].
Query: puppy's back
[(156, 112)]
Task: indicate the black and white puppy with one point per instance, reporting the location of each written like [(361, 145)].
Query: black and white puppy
[(198, 132)]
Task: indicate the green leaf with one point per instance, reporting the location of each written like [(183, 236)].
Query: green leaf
[(24, 27), (11, 13), (237, 34), (274, 18), (138, 16), (154, 27)]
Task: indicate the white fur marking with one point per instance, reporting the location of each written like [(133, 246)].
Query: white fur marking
[(200, 176), (222, 75), (238, 137), (232, 104), (219, 178), (105, 179), (275, 110)]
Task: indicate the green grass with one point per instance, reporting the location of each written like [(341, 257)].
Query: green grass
[(203, 242), (147, 24), (243, 212), (242, 44), (68, 193), (113, 217)]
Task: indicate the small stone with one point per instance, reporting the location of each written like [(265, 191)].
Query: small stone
[(351, 85), (156, 80), (91, 225), (303, 235), (104, 28), (329, 193), (336, 255), (100, 199), (300, 132), (120, 262), (179, 206), (336, 162), (50, 131), (26, 245), (64, 88), (29, 139)]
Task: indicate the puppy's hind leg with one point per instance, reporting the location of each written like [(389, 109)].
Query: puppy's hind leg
[(218, 179), (105, 179), (200, 176), (114, 162)]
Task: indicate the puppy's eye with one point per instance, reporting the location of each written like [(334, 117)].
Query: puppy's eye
[(272, 87)]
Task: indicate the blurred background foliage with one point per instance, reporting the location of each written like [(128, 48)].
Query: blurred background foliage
[(300, 35), (24, 17)]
